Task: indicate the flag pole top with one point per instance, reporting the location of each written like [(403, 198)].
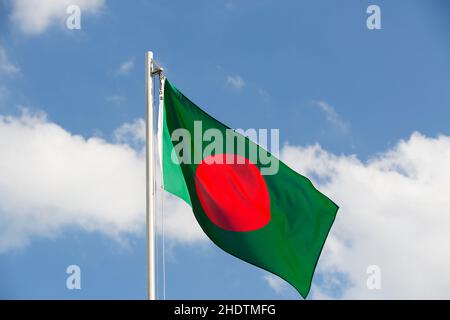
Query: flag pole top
[(155, 68)]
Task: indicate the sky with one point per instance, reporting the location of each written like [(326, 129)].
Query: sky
[(363, 113)]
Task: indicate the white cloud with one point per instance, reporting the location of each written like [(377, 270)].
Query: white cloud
[(131, 133), (235, 82), (394, 208), (394, 213), (125, 67), (275, 282), (34, 17), (116, 99), (6, 67), (332, 116), (180, 224), (51, 179)]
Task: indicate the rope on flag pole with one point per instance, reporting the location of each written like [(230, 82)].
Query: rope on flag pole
[(153, 69), (161, 97), (159, 71)]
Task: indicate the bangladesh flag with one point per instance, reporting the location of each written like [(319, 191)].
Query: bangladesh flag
[(248, 202)]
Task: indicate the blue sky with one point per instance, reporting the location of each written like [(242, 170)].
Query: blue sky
[(310, 68)]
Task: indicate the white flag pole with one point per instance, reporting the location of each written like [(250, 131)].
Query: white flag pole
[(150, 180)]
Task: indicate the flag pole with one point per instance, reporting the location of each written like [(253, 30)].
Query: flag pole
[(150, 180)]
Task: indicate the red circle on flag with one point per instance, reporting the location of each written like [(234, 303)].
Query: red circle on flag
[(232, 192)]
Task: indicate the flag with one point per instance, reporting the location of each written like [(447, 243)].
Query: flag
[(247, 202)]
